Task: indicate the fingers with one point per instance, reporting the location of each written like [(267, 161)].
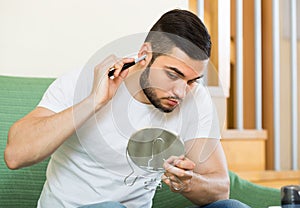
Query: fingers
[(113, 65), (99, 69), (116, 70), (180, 162), (104, 88), (177, 184), (178, 173)]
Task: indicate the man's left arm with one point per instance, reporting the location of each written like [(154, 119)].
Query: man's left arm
[(201, 175)]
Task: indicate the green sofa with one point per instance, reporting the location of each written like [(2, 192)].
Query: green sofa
[(21, 188)]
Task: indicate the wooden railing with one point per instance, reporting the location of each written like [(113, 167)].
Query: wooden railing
[(253, 75)]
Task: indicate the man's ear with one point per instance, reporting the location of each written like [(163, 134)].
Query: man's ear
[(146, 49)]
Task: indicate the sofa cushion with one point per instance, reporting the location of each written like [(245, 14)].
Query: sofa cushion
[(165, 198), (18, 96)]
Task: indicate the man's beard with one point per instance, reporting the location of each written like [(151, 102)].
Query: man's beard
[(150, 92)]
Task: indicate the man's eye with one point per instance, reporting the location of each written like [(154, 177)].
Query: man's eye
[(172, 75)]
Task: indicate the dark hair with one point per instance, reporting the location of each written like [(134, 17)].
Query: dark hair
[(182, 29)]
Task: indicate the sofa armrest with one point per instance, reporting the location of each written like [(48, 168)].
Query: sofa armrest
[(256, 196)]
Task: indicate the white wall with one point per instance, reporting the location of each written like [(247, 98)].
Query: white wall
[(50, 37)]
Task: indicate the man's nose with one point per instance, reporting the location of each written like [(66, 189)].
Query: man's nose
[(180, 89)]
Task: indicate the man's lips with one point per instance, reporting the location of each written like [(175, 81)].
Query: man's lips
[(172, 102)]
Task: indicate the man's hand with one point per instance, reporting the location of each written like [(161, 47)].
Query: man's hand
[(178, 173), (104, 88)]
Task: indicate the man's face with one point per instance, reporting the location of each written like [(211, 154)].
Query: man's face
[(170, 77)]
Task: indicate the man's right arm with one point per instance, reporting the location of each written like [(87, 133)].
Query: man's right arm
[(36, 136)]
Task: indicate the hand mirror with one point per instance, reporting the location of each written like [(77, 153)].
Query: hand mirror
[(148, 148)]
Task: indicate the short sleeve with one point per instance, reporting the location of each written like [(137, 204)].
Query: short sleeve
[(200, 116), (60, 94)]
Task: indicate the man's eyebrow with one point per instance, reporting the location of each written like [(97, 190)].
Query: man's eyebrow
[(180, 73), (201, 76), (176, 70)]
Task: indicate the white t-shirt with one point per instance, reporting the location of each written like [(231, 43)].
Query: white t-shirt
[(92, 165)]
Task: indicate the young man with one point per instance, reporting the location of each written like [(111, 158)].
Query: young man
[(84, 125)]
